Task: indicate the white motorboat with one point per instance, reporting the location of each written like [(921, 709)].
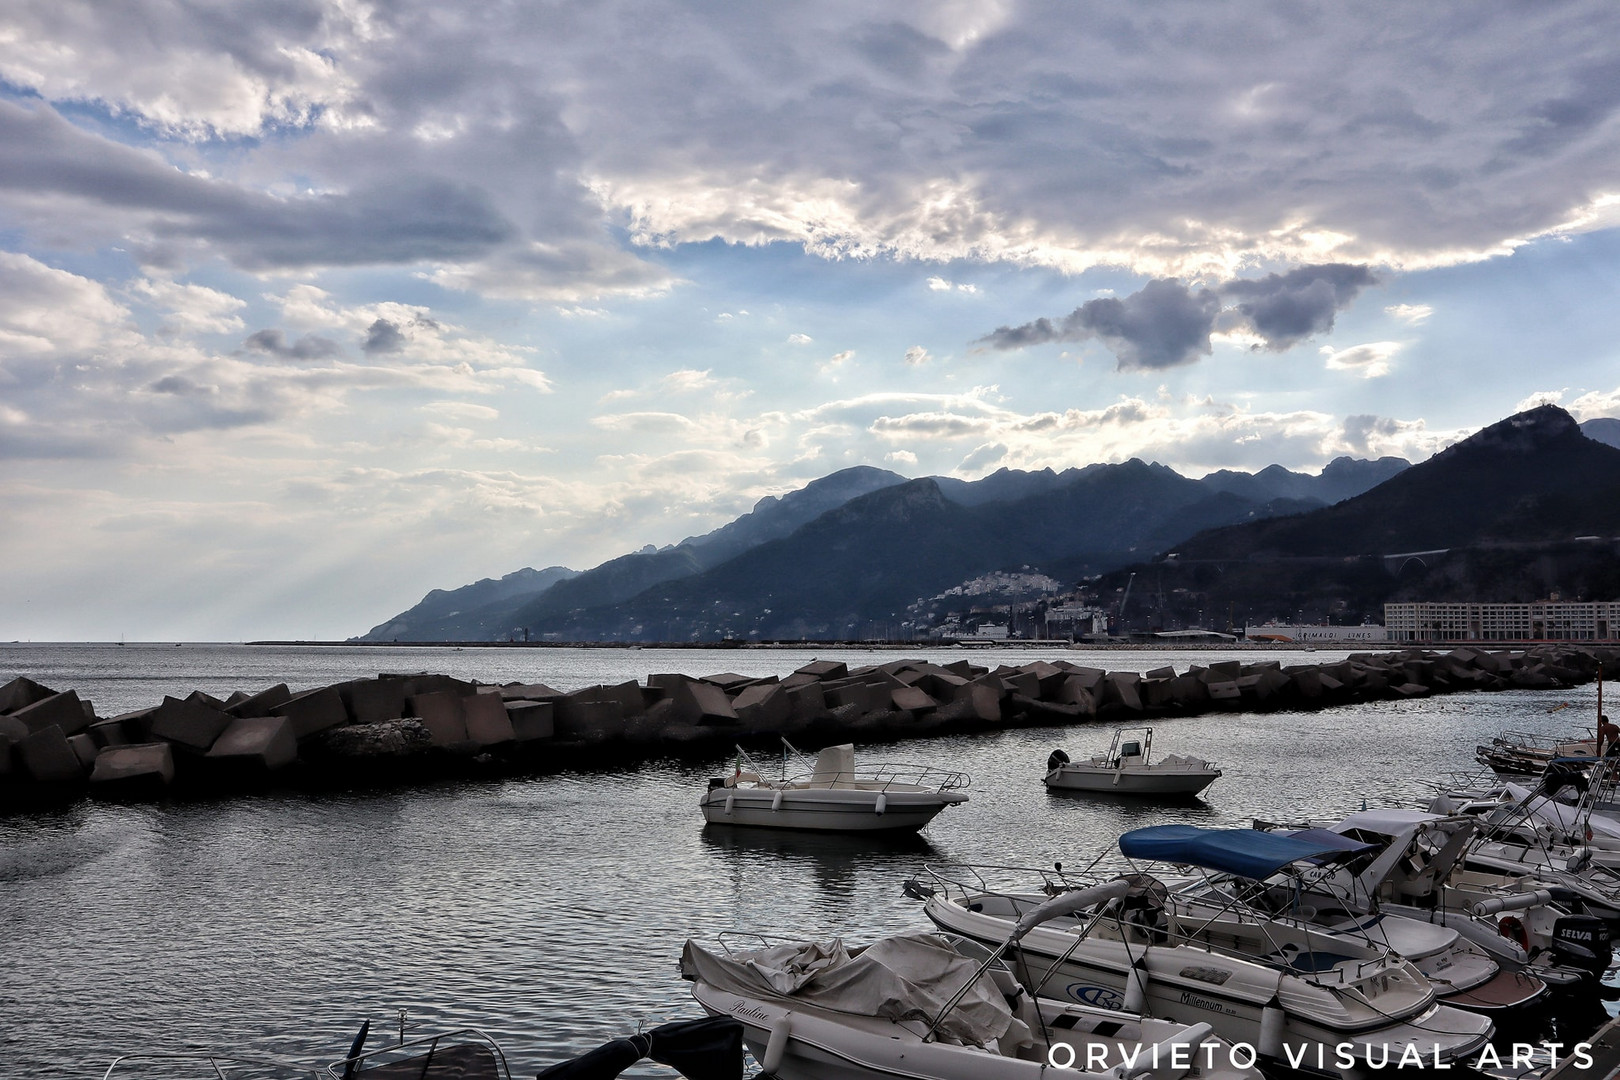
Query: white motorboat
[(1416, 873), (917, 1007), (1128, 768), (836, 795), (1305, 997), (1340, 897)]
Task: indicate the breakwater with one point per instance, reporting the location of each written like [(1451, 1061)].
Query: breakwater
[(402, 728)]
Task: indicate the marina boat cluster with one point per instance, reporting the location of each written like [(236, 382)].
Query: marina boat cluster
[(1387, 938)]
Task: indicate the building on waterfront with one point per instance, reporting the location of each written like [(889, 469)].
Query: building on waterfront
[(1294, 634), (1543, 620)]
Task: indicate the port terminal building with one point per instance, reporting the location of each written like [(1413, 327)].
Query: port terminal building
[(1542, 620)]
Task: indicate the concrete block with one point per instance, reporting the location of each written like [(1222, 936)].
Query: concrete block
[(441, 713), (371, 701), (261, 704), (313, 711), (1224, 693), (763, 707), (423, 683), (727, 680), (48, 757), (589, 721), (1122, 688), (1021, 682), (85, 748), (824, 669), (910, 699), (134, 765), (262, 742), (1410, 690), (487, 720), (62, 710), (1160, 673), (188, 723), (22, 692), (201, 698), (12, 730), (529, 692), (138, 723), (808, 701), (799, 678), (1189, 693), (531, 720)]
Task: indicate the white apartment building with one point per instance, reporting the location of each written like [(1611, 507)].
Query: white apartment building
[(1543, 620)]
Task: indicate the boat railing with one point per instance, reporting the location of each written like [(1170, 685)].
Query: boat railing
[(203, 1065), (424, 1047), (880, 776), (1011, 883)]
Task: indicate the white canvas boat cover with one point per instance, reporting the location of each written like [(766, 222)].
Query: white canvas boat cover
[(835, 764), (906, 977)]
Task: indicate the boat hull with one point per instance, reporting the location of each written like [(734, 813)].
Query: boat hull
[(1148, 781), (826, 809)]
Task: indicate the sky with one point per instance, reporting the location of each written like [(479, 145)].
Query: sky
[(308, 307)]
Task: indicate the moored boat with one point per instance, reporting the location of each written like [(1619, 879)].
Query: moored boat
[(1128, 768), (917, 1006), (836, 795)]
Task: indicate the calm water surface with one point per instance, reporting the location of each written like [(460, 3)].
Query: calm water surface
[(551, 911)]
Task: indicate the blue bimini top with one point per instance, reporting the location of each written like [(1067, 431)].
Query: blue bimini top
[(1247, 853)]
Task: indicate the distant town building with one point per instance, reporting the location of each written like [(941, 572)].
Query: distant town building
[(1316, 635), (1543, 620)]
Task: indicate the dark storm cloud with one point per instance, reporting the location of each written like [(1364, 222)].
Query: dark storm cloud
[(309, 347), (395, 220), (1167, 324), (382, 336), (1285, 309)]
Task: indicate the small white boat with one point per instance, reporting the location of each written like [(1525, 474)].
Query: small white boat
[(836, 795), (1128, 768), (916, 1006)]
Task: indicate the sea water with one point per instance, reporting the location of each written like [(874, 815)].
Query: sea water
[(550, 911)]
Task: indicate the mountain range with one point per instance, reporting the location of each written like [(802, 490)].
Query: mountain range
[(855, 547), (844, 556), (1525, 509)]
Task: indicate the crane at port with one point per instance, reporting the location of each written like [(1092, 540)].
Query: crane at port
[(1123, 600)]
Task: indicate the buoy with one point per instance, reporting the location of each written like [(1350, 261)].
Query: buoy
[(1136, 977), (1272, 1023), (1512, 929), (776, 1046), (731, 801), (882, 802), (776, 800)]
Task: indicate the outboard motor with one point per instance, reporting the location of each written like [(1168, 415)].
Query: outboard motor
[(1583, 941), (1057, 757)]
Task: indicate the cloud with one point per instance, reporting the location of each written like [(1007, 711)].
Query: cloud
[(799, 339), (273, 342), (1165, 324), (382, 337), (1411, 314), (917, 355), (1285, 309), (1168, 324), (1369, 361)]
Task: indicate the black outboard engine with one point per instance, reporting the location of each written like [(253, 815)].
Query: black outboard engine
[(1583, 941), (1056, 758)]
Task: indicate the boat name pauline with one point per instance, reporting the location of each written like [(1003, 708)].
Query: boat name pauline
[(1063, 1055)]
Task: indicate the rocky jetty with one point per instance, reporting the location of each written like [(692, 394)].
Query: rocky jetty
[(402, 728)]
